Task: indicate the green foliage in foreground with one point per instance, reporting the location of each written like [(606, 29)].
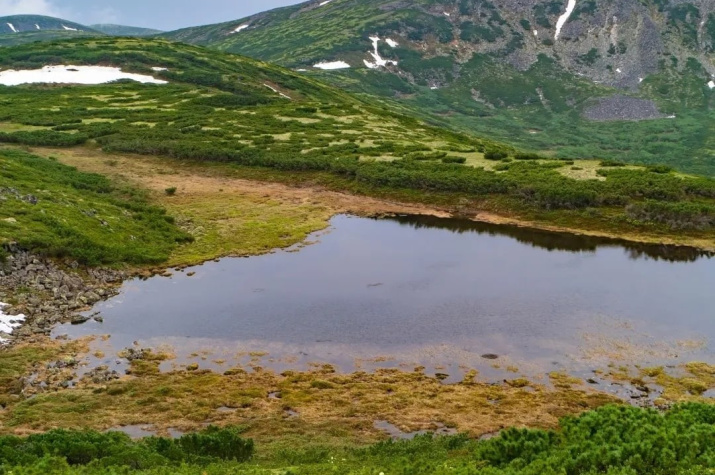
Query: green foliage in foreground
[(115, 449), (56, 210), (611, 440)]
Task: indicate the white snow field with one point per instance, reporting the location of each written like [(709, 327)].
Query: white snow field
[(71, 75), (8, 323), (332, 65), (564, 18)]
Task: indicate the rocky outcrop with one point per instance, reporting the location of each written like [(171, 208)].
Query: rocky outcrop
[(48, 293), (623, 108)]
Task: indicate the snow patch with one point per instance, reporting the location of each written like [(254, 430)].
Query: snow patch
[(69, 29), (332, 65), (71, 75), (8, 323), (277, 91), (321, 4), (640, 80), (619, 70), (447, 14), (564, 18), (711, 84), (379, 60), (159, 68), (536, 32), (392, 43), (12, 27), (240, 28), (37, 26)]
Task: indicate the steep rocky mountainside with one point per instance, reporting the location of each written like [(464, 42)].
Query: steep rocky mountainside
[(614, 42), (625, 79)]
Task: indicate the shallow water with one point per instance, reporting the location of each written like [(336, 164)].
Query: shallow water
[(425, 291)]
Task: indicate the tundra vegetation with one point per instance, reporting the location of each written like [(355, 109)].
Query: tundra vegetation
[(477, 66), (223, 108), (225, 115)]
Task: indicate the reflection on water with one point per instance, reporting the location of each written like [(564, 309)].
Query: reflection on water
[(425, 291), (555, 241)]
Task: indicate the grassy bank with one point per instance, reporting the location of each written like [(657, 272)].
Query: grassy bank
[(58, 211), (613, 440)]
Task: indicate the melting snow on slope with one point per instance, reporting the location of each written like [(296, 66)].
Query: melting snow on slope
[(69, 29), (564, 18), (240, 28), (12, 27), (71, 75), (392, 43), (379, 60), (8, 323), (277, 91), (332, 65)]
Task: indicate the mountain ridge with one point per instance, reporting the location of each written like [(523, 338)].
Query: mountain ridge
[(124, 30), (33, 23)]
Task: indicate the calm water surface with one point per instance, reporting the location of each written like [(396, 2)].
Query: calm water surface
[(439, 293)]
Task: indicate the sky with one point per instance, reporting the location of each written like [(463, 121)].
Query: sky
[(160, 14)]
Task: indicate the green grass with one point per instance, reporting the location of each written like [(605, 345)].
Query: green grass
[(610, 440), (55, 210)]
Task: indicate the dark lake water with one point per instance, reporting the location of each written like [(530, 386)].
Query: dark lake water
[(427, 291)]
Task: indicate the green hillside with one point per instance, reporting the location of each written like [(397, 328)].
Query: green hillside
[(618, 90), (32, 23), (21, 29), (227, 108), (123, 30)]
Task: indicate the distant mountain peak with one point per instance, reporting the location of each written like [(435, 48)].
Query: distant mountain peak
[(14, 24)]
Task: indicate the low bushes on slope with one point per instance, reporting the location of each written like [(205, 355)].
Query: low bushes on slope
[(58, 211)]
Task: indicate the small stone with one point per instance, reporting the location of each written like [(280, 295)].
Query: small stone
[(192, 367), (490, 356), (79, 320)]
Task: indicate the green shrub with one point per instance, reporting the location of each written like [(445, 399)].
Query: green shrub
[(453, 159), (495, 155), (528, 156), (612, 163), (171, 191)]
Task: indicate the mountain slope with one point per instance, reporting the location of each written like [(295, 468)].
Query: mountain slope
[(123, 30), (20, 29), (498, 67), (281, 125), (32, 23)]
